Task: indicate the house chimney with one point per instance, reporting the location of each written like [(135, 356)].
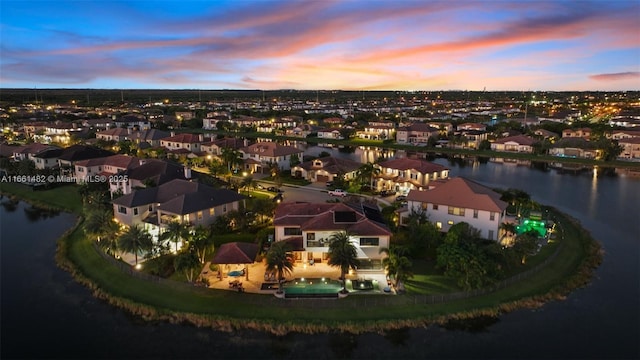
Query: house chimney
[(173, 133), (187, 172), (201, 137)]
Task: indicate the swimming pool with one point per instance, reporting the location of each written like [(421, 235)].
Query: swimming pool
[(312, 287), (528, 225)]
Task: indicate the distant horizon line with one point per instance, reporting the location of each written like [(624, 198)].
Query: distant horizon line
[(308, 90)]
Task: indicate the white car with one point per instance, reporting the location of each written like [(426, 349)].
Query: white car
[(338, 192)]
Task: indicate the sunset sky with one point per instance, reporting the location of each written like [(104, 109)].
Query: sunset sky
[(348, 45)]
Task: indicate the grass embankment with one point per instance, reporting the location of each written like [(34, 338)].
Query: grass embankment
[(225, 310), (64, 197)]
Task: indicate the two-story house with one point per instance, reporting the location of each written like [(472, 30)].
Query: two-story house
[(402, 175), (332, 133), (260, 157), (584, 133), (308, 227), (519, 143), (189, 142), (103, 166), (215, 147), (75, 153), (377, 132), (176, 200), (416, 134), (459, 200), (116, 134), (148, 138), (150, 173), (326, 169)]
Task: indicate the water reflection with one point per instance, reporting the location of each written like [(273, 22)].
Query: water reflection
[(397, 337), (343, 344), (473, 325)]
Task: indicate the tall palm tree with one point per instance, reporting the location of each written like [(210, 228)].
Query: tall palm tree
[(100, 223), (175, 231), (135, 240), (279, 261), (342, 253), (366, 173), (231, 157)]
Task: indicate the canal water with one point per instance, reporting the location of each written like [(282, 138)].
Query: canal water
[(45, 314)]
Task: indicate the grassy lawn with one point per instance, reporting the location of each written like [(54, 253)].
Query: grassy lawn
[(172, 298), (242, 306), (65, 197)]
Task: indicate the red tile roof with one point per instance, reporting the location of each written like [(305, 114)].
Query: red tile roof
[(462, 193), (270, 149), (519, 139), (321, 217), (120, 161)]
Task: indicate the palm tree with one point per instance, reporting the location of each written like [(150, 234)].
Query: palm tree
[(202, 239), (366, 173), (279, 261), (342, 253), (187, 262), (135, 240), (175, 232), (100, 223), (248, 183), (397, 264), (231, 157)]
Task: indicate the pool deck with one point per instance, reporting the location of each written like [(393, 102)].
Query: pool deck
[(253, 281)]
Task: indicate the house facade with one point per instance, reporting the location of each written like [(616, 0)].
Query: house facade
[(416, 134), (104, 166), (460, 200), (630, 148), (259, 157), (150, 172), (402, 175), (326, 169), (309, 226), (330, 134), (115, 134), (176, 200), (189, 142), (519, 143)]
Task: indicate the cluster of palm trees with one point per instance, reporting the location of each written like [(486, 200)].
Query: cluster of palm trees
[(342, 254), (197, 242)]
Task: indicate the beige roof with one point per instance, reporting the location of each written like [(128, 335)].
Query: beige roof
[(462, 193), (519, 139), (270, 149)]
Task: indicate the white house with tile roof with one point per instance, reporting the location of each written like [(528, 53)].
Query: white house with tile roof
[(459, 200), (309, 226)]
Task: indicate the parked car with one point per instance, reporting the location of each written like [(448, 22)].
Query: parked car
[(274, 189), (401, 198), (259, 187), (387, 193), (329, 183), (278, 198), (338, 192)]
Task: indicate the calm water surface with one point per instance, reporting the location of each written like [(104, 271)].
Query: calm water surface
[(45, 314)]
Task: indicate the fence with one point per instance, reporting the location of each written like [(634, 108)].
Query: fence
[(352, 301)]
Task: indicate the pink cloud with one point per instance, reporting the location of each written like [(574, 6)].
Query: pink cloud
[(629, 75)]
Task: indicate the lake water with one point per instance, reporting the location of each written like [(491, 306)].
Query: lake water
[(46, 314)]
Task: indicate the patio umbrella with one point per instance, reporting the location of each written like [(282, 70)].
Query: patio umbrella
[(236, 253)]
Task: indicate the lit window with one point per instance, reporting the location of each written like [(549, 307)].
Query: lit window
[(199, 215), (212, 212), (439, 225), (450, 222)]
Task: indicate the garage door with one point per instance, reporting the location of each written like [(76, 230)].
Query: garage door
[(322, 178)]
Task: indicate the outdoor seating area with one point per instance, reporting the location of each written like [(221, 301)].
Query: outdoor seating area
[(236, 285)]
